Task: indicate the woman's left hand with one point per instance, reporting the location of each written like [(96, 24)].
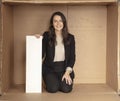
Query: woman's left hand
[(67, 78)]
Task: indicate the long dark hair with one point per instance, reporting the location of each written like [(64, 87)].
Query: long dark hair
[(52, 34)]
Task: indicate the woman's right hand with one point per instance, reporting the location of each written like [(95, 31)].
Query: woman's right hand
[(37, 35)]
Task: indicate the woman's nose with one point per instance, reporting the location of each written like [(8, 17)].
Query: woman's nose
[(58, 23)]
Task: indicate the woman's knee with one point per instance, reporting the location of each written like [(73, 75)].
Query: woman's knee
[(53, 89), (65, 87), (51, 82)]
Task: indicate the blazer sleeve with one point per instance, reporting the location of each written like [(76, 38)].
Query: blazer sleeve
[(44, 44), (72, 53)]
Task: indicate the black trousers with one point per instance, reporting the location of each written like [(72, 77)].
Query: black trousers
[(53, 78)]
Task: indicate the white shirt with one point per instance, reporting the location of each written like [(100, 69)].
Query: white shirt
[(59, 49)]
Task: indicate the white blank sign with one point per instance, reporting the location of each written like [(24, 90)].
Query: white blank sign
[(33, 64)]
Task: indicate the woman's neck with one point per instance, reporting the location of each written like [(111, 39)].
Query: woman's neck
[(58, 33)]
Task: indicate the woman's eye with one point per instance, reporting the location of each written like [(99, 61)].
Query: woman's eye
[(61, 21), (55, 21)]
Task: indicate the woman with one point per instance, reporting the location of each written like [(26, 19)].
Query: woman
[(59, 55)]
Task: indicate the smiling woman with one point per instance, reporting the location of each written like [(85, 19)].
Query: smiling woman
[(59, 53)]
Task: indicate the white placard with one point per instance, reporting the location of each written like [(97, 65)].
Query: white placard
[(33, 64)]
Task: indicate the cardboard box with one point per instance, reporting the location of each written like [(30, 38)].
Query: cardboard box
[(94, 23)]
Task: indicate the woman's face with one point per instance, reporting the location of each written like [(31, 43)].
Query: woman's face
[(57, 23)]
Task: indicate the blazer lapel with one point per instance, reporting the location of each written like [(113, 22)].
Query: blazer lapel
[(53, 52), (65, 47)]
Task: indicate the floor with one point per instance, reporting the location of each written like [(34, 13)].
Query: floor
[(93, 92)]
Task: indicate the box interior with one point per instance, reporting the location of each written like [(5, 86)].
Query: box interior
[(95, 28)]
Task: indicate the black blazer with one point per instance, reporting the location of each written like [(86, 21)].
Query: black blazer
[(49, 51)]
